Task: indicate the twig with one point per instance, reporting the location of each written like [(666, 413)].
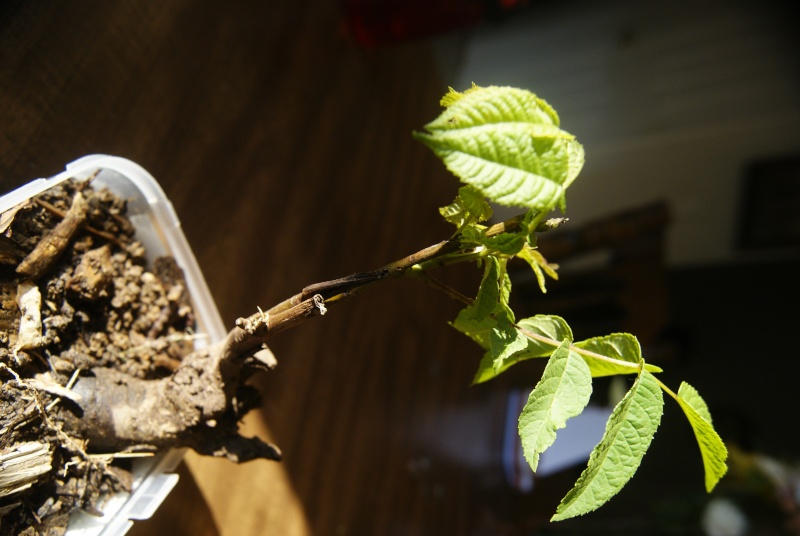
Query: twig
[(93, 230), (53, 244)]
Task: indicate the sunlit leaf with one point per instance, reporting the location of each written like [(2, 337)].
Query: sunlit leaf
[(507, 143), (562, 393), (616, 458), (468, 206), (622, 349), (712, 449), (539, 265)]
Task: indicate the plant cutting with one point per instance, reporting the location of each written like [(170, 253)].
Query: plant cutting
[(507, 147)]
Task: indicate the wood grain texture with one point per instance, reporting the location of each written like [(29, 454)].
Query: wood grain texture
[(287, 154)]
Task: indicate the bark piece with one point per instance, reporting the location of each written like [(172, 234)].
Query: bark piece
[(22, 465), (52, 245)]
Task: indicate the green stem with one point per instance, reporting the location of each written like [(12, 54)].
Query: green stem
[(580, 351), (667, 390)]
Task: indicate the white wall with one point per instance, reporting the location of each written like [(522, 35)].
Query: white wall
[(670, 99)]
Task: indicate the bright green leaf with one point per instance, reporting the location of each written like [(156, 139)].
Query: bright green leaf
[(562, 393), (482, 105), (506, 142), (475, 203), (622, 350), (712, 449), (690, 395), (505, 340), (614, 460), (452, 95), (539, 265), (468, 206), (550, 327)]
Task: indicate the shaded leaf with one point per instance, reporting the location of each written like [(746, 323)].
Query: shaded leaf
[(551, 327), (505, 340), (505, 243), (477, 320)]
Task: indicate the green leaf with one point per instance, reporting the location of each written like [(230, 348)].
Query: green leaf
[(452, 95), (562, 393), (614, 460), (475, 203), (477, 320), (505, 243), (504, 339), (622, 350), (489, 293), (712, 449), (690, 396), (539, 265), (550, 327), (468, 206), (507, 143)]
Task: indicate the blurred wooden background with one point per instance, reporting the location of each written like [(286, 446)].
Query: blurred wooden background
[(286, 151)]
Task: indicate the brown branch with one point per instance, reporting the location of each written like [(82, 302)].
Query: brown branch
[(251, 333), (52, 245), (92, 230)]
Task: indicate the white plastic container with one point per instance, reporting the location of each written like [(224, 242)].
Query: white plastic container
[(158, 229)]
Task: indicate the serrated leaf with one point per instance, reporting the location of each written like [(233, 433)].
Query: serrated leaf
[(550, 327), (489, 293), (690, 395), (452, 95), (493, 104), (622, 349), (505, 243), (562, 393), (616, 458), (504, 339), (477, 320), (475, 203), (468, 206), (506, 142), (712, 448)]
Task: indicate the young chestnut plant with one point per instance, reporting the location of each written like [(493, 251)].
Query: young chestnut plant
[(507, 146)]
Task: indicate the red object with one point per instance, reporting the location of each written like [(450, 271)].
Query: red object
[(379, 22)]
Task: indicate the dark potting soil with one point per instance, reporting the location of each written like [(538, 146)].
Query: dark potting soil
[(70, 258)]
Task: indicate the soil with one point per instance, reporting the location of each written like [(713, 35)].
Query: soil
[(102, 305)]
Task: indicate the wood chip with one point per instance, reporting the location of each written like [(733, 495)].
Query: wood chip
[(22, 465)]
